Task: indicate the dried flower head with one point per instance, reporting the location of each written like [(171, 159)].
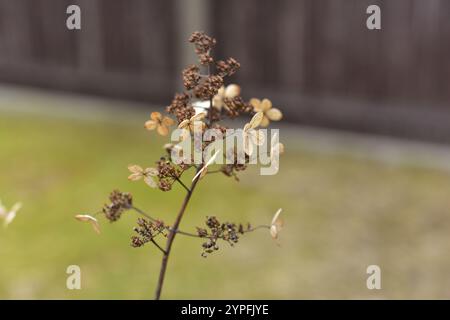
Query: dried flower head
[(146, 232), (87, 218), (227, 68), (229, 92), (195, 123), (120, 202), (137, 173), (204, 104), (270, 113), (253, 137), (159, 123), (191, 77), (208, 88), (180, 107), (202, 42)]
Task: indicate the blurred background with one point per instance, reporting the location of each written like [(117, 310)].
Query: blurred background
[(365, 178)]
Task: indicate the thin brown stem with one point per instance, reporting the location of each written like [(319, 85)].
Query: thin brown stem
[(181, 182), (158, 246), (190, 234), (171, 238)]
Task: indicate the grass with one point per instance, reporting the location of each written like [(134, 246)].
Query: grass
[(342, 214)]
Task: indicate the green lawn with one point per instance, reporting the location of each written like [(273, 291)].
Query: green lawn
[(341, 215)]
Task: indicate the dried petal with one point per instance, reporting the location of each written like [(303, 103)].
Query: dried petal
[(266, 104), (150, 182), (151, 172), (163, 130), (150, 125), (184, 124), (168, 122), (135, 168), (256, 120), (91, 220), (156, 116), (232, 91), (274, 114), (256, 103), (265, 122)]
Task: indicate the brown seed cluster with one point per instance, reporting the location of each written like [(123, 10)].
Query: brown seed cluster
[(208, 88), (215, 230), (203, 45), (180, 107), (146, 232), (191, 77), (167, 174), (120, 202), (227, 68), (236, 106)]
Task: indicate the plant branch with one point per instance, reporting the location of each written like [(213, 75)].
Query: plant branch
[(171, 238), (181, 182), (190, 234), (158, 246)]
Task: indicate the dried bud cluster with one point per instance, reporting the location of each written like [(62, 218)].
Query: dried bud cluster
[(167, 174), (146, 231), (209, 88), (191, 77), (216, 230), (180, 107), (120, 202), (227, 68), (203, 45), (236, 106)]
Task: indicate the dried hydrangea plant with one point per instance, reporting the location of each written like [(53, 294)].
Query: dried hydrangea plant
[(203, 106)]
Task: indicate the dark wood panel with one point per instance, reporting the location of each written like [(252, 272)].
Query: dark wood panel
[(296, 51)]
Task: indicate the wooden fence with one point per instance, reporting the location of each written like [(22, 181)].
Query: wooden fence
[(315, 58)]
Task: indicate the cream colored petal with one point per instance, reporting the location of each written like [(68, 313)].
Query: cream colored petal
[(168, 122), (198, 117), (217, 102), (150, 125), (221, 92), (16, 207), (276, 216), (163, 130), (256, 120), (95, 226), (9, 218), (135, 176), (266, 104), (135, 168), (150, 182), (264, 122), (82, 217), (184, 124), (232, 91), (156, 116), (274, 114), (274, 232), (151, 172), (256, 103)]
